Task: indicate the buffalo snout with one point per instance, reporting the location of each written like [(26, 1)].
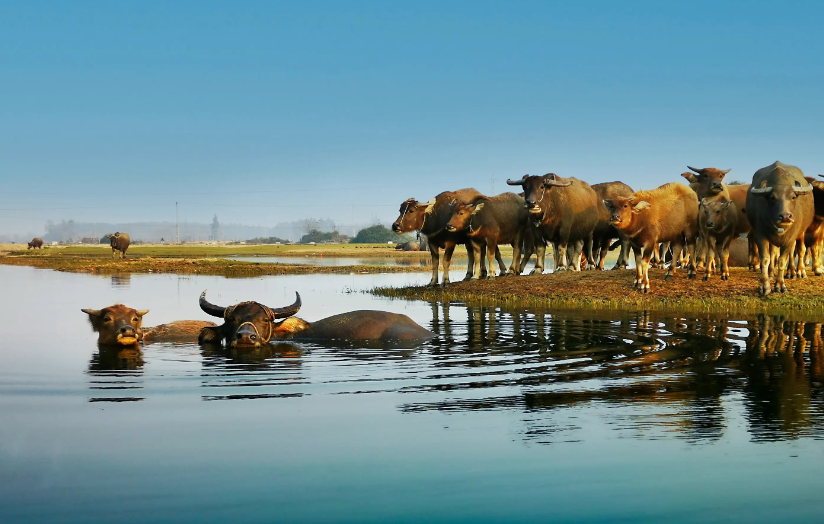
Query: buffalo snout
[(451, 228), (785, 217), (246, 335), (396, 227)]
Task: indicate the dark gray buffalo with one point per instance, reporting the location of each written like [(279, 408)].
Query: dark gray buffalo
[(780, 208), (120, 242), (252, 324), (36, 243), (564, 211)]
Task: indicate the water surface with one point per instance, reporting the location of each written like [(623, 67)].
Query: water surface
[(507, 415)]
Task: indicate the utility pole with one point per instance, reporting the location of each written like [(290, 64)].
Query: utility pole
[(177, 224)]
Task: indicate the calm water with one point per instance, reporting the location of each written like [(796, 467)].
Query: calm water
[(506, 416)]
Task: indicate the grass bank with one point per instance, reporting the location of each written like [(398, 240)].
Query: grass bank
[(105, 265), (613, 290)]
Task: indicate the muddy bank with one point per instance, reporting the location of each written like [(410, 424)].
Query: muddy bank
[(613, 290)]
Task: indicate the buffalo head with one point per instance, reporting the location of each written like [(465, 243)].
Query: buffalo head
[(621, 210), (713, 215), (536, 187), (411, 216), (781, 201), (707, 181), (462, 214), (248, 324), (117, 325)]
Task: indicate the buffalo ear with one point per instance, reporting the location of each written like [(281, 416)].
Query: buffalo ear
[(210, 335), (726, 204), (478, 208), (608, 203), (640, 206), (703, 202), (691, 178), (430, 206)]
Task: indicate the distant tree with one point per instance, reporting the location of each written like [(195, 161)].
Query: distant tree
[(378, 234), (736, 183), (266, 240), (308, 225), (319, 236)]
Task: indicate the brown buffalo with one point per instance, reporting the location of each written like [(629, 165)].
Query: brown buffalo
[(431, 219), (120, 242), (717, 221), (605, 232), (564, 211), (814, 236), (117, 324), (36, 243), (251, 324), (666, 214), (780, 208), (491, 221), (709, 183)]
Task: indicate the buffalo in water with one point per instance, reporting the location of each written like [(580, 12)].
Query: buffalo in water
[(252, 324), (780, 207), (36, 243), (120, 242), (120, 325)]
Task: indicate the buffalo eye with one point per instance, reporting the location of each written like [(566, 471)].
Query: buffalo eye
[(107, 319), (134, 319)]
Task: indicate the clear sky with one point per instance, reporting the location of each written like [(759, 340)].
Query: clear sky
[(263, 112)]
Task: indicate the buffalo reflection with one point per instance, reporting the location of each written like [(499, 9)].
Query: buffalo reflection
[(683, 372), (115, 372)]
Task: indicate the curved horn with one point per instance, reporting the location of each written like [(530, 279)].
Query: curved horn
[(761, 190), (554, 182), (725, 171), (521, 181), (699, 171), (288, 311), (803, 189), (209, 308)]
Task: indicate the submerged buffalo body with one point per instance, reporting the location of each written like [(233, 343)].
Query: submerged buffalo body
[(120, 242), (251, 324), (36, 243), (780, 208)]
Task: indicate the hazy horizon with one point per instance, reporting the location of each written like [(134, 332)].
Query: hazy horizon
[(264, 113)]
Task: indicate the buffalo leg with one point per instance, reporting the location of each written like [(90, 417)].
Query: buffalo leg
[(725, 258), (491, 251), (588, 242), (639, 266), (472, 251), (434, 252), (516, 256), (540, 256), (815, 255), (785, 256), (447, 260), (766, 254), (710, 242), (676, 254), (801, 247), (648, 251), (477, 267)]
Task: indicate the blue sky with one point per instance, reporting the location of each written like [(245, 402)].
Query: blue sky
[(263, 112)]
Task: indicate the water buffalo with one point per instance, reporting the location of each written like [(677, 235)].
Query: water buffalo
[(666, 214), (117, 324), (36, 242), (431, 219), (780, 208), (717, 221), (490, 221), (814, 236), (564, 211), (120, 242), (252, 324), (408, 246), (709, 183), (605, 232)]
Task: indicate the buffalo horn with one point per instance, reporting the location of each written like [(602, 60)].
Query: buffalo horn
[(209, 308), (761, 190), (517, 182), (822, 176), (288, 311), (699, 171), (554, 182), (724, 172), (803, 189)]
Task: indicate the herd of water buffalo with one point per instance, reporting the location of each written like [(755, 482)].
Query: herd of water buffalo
[(782, 213)]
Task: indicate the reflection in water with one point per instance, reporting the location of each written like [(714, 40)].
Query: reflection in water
[(116, 372), (121, 280), (679, 371)]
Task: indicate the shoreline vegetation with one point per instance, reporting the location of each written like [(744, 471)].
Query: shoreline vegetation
[(589, 290), (613, 291)]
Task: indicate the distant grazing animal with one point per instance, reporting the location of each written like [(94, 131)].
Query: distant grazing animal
[(36, 242), (117, 324), (490, 221), (780, 208), (252, 324), (408, 246), (431, 219), (564, 211), (717, 221), (666, 214), (120, 242), (709, 183), (814, 236), (605, 232)]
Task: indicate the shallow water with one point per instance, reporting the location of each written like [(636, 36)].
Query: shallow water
[(507, 415)]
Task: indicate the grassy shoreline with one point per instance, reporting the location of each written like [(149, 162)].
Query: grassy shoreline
[(613, 290)]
